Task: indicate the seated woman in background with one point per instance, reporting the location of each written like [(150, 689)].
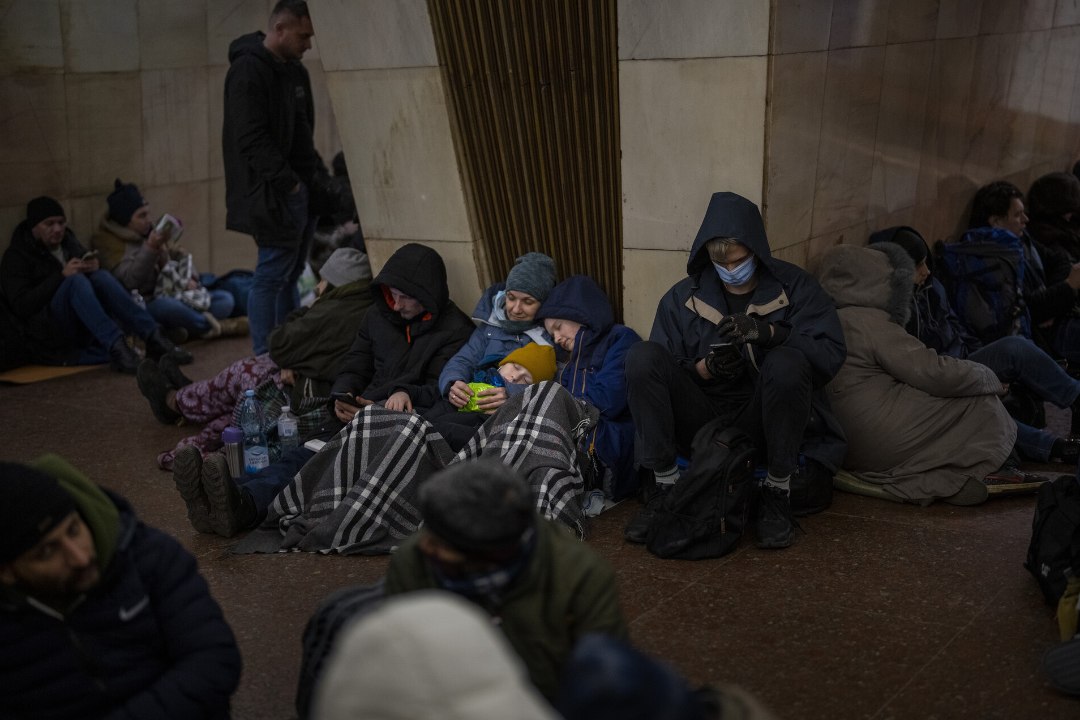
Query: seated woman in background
[(593, 347), (921, 425)]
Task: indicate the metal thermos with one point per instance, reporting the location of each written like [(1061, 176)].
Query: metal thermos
[(233, 439)]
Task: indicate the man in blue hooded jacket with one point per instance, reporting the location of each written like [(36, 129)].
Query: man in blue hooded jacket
[(101, 616), (744, 337)]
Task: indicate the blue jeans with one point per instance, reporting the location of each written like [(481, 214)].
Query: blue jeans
[(1018, 360), (264, 485), (273, 293), (96, 310), (170, 312)]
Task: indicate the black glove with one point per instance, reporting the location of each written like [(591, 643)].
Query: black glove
[(741, 329), (725, 363)]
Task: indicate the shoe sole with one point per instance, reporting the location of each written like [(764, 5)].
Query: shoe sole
[(187, 475), (223, 494), (146, 378), (776, 544)]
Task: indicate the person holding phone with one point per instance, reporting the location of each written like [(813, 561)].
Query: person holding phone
[(748, 338), (72, 311)]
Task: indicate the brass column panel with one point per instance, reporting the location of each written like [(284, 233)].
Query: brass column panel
[(533, 92)]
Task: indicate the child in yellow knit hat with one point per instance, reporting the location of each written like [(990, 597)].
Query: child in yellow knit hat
[(527, 365)]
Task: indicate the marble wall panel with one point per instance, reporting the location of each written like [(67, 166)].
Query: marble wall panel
[(228, 250), (1067, 12), (958, 18), (1010, 16), (104, 129), (912, 21), (373, 34), (1022, 99), (30, 38), (215, 98), (901, 116), (797, 83), (848, 135), (10, 217), (172, 34), (84, 213), (647, 275), (227, 20), (688, 129), (33, 123), (801, 26), (692, 29), (175, 117), (987, 121), (461, 266), (100, 35), (395, 130), (859, 23), (326, 131)]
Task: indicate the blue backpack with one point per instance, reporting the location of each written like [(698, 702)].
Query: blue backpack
[(984, 279)]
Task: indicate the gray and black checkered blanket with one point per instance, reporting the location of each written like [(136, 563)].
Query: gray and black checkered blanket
[(360, 493)]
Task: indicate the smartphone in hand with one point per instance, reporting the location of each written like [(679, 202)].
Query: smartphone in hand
[(345, 398), (89, 255)]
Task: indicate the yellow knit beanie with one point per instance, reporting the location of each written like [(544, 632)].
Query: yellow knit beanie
[(539, 360)]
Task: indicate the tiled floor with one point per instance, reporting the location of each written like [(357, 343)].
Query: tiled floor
[(877, 611)]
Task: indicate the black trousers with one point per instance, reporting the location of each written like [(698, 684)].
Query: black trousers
[(669, 406)]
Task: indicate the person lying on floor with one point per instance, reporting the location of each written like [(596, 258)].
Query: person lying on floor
[(923, 426), (506, 320), (1014, 359), (305, 355), (402, 343), (578, 316)]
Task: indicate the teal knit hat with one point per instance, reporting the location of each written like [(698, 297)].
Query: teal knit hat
[(533, 274)]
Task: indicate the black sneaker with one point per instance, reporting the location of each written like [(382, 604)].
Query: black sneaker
[(122, 358), (154, 387), (775, 528), (171, 370), (1066, 451), (157, 345), (187, 475), (637, 530), (227, 499)]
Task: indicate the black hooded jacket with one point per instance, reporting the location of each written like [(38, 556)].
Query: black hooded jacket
[(786, 295), (390, 353), (266, 140), (29, 277)]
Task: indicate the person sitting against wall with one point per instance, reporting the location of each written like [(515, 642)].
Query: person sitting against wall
[(1050, 279), (592, 354), (1053, 207), (921, 425), (57, 289), (506, 320), (141, 259), (305, 354), (1014, 359)]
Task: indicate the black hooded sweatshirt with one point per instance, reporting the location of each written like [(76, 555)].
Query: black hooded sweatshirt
[(266, 140), (390, 353)]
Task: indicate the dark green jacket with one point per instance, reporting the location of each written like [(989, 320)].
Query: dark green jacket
[(565, 592)]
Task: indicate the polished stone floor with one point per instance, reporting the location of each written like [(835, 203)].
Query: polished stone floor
[(877, 611)]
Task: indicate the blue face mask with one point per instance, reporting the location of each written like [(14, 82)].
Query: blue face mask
[(740, 275)]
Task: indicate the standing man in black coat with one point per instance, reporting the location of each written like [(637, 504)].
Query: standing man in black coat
[(270, 159)]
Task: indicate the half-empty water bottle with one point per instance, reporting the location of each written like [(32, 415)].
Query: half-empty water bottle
[(256, 452), (288, 429)]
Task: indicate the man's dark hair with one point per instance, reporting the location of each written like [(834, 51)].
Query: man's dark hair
[(297, 8), (993, 199)]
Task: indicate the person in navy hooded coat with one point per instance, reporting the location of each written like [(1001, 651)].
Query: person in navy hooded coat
[(578, 316), (748, 338)]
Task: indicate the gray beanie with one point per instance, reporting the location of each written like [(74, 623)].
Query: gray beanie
[(533, 274), (481, 507), (345, 265)]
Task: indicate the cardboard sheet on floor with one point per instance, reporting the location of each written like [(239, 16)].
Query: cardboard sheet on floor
[(37, 373)]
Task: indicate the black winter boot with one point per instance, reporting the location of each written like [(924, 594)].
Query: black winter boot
[(122, 358), (157, 345)]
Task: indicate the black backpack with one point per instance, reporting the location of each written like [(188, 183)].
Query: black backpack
[(1055, 536), (703, 515)]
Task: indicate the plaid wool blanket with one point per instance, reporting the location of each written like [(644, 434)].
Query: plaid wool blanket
[(360, 493)]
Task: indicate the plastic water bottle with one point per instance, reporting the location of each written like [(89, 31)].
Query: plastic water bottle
[(256, 452), (288, 429)]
